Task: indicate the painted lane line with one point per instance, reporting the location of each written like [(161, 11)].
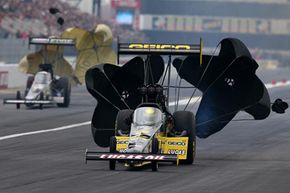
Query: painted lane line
[(45, 131), (181, 102)]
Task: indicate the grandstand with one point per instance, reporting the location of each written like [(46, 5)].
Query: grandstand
[(20, 19), (264, 25), (32, 18)]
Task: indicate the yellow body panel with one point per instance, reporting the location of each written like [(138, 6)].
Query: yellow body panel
[(174, 145), (122, 143), (167, 145)]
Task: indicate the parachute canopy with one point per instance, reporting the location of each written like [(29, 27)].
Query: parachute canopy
[(116, 88), (51, 54), (94, 47), (229, 85)]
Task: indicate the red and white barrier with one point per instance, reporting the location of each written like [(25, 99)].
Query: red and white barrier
[(275, 83), (3, 79)]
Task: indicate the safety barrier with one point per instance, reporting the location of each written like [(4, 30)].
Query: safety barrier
[(3, 79)]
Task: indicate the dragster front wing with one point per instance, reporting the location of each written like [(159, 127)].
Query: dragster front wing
[(24, 101), (93, 155)]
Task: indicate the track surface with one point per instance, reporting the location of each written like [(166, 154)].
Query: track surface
[(245, 157)]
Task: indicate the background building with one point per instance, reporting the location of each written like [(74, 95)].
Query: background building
[(264, 25)]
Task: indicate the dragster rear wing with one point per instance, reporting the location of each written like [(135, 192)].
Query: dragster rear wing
[(51, 41), (160, 49)]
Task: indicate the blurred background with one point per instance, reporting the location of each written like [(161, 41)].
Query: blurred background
[(263, 25)]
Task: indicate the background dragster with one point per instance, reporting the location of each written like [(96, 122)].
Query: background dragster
[(133, 117), (45, 86)]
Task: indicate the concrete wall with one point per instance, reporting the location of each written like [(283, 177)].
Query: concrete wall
[(14, 78), (12, 50)]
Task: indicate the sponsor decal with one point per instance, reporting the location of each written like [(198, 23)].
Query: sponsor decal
[(131, 156), (176, 152), (122, 150), (122, 142), (160, 46), (178, 143), (52, 41)]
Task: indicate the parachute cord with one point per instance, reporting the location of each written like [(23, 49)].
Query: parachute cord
[(229, 114), (107, 100), (116, 90), (178, 95), (201, 78), (150, 69), (163, 79), (183, 87), (145, 72), (175, 94), (206, 90), (177, 88), (224, 115), (243, 120)]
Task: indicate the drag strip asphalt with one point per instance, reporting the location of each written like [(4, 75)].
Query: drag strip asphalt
[(245, 157)]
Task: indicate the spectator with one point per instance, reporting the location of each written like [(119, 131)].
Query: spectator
[(25, 12)]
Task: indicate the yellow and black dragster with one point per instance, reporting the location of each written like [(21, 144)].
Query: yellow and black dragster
[(132, 116)]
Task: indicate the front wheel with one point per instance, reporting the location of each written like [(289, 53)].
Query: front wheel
[(154, 150), (27, 104), (18, 97), (64, 86), (113, 147), (41, 98), (185, 121), (29, 83), (123, 122)]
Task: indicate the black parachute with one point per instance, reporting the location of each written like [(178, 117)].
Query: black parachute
[(117, 88), (229, 85)]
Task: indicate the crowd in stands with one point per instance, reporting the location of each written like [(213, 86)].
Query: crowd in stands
[(24, 18)]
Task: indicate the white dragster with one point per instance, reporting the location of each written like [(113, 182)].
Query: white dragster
[(44, 87), (41, 84)]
